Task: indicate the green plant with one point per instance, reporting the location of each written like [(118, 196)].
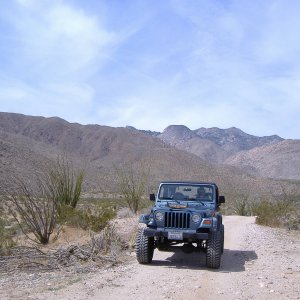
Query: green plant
[(240, 205), (35, 203), (97, 203), (66, 181), (132, 181), (34, 209), (85, 219), (274, 213), (6, 234)]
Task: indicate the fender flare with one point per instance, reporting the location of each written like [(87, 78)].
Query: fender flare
[(220, 221)]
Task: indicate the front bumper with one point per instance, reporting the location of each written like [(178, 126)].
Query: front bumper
[(151, 232)]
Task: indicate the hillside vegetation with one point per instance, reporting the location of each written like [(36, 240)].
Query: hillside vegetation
[(30, 144)]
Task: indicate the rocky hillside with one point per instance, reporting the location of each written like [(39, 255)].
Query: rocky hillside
[(279, 160), (213, 144), (185, 139), (267, 156), (28, 143), (233, 140)]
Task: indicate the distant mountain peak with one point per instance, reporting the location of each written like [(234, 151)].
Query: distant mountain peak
[(180, 131), (27, 142), (130, 127), (177, 127), (149, 132)]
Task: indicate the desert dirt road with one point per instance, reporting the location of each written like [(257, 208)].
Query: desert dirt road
[(258, 263)]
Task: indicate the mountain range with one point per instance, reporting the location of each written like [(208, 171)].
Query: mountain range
[(267, 156), (235, 160)]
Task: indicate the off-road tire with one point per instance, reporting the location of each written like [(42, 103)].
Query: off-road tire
[(222, 237), (213, 250), (144, 247)]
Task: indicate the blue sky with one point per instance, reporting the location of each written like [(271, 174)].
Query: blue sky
[(150, 64)]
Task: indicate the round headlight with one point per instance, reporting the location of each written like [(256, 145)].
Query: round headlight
[(196, 218), (159, 216)]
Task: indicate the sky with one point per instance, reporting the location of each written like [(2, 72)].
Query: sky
[(151, 64)]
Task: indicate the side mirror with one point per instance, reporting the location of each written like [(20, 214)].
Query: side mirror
[(152, 197), (221, 199)]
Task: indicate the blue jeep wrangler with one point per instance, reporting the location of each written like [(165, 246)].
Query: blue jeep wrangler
[(184, 213)]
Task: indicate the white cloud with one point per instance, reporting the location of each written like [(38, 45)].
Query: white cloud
[(58, 39), (56, 50), (70, 101), (77, 37)]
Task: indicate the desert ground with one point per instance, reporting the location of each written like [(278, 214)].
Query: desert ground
[(258, 263)]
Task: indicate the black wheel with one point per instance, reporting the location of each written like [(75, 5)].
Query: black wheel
[(144, 247), (222, 238), (213, 250)]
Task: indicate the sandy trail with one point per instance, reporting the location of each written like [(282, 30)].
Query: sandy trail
[(258, 263), (246, 271)]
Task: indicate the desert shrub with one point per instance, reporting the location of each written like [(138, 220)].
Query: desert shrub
[(6, 236), (34, 208), (133, 179), (86, 219), (66, 181), (293, 220), (102, 203), (241, 206), (146, 204), (35, 203), (107, 241), (276, 213), (238, 204)]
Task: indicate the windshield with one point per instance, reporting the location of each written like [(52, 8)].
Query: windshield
[(186, 192)]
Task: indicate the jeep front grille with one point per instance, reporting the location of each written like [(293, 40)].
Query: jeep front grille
[(177, 220)]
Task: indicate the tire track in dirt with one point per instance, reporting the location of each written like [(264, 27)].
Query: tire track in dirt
[(249, 270), (173, 275)]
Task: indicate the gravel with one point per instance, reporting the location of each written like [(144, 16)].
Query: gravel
[(258, 263)]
